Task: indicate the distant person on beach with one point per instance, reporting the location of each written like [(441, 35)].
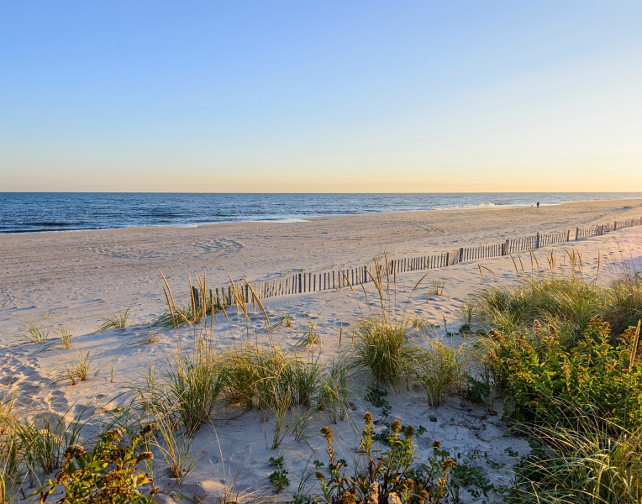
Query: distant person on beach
[(538, 204)]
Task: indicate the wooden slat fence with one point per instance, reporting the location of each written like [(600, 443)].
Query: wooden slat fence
[(302, 283)]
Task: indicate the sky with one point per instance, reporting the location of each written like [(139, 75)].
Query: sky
[(320, 96)]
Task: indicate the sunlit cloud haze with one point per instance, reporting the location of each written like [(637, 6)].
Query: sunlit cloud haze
[(292, 96)]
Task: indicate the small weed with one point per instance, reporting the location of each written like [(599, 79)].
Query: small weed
[(310, 336), (279, 478), (377, 397)]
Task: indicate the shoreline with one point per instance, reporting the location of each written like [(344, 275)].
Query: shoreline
[(302, 219)]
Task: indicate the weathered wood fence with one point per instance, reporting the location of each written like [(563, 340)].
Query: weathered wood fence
[(301, 283)]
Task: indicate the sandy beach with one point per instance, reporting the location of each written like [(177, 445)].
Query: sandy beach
[(76, 279), (81, 277)]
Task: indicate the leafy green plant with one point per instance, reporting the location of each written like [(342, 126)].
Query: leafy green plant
[(377, 397), (547, 380), (107, 474), (279, 478)]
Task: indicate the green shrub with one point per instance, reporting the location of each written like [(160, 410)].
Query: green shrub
[(542, 376), (106, 475)]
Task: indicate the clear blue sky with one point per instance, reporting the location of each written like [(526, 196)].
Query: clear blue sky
[(310, 96)]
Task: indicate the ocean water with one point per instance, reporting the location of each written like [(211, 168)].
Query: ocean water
[(41, 212)]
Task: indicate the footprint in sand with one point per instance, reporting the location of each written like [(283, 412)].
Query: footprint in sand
[(219, 245)]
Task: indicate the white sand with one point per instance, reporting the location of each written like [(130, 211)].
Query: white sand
[(77, 278)]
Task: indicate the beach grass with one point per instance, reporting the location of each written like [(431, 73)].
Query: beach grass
[(78, 369), (36, 334), (115, 321), (383, 347), (442, 371), (63, 335)]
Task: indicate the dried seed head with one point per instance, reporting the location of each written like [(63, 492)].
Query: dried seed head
[(373, 493), (395, 426), (75, 450), (327, 432), (409, 431), (367, 418), (146, 455), (148, 429), (114, 434), (448, 463), (436, 445), (393, 498), (348, 498)]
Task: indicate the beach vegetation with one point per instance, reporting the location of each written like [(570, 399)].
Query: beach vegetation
[(310, 337), (39, 443), (188, 388), (437, 287), (334, 391), (385, 349), (175, 445), (570, 301), (279, 478), (63, 334), (442, 370), (566, 351), (10, 453), (391, 474), (36, 334), (115, 321), (109, 473), (78, 370)]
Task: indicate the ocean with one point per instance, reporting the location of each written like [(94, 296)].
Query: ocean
[(45, 212)]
